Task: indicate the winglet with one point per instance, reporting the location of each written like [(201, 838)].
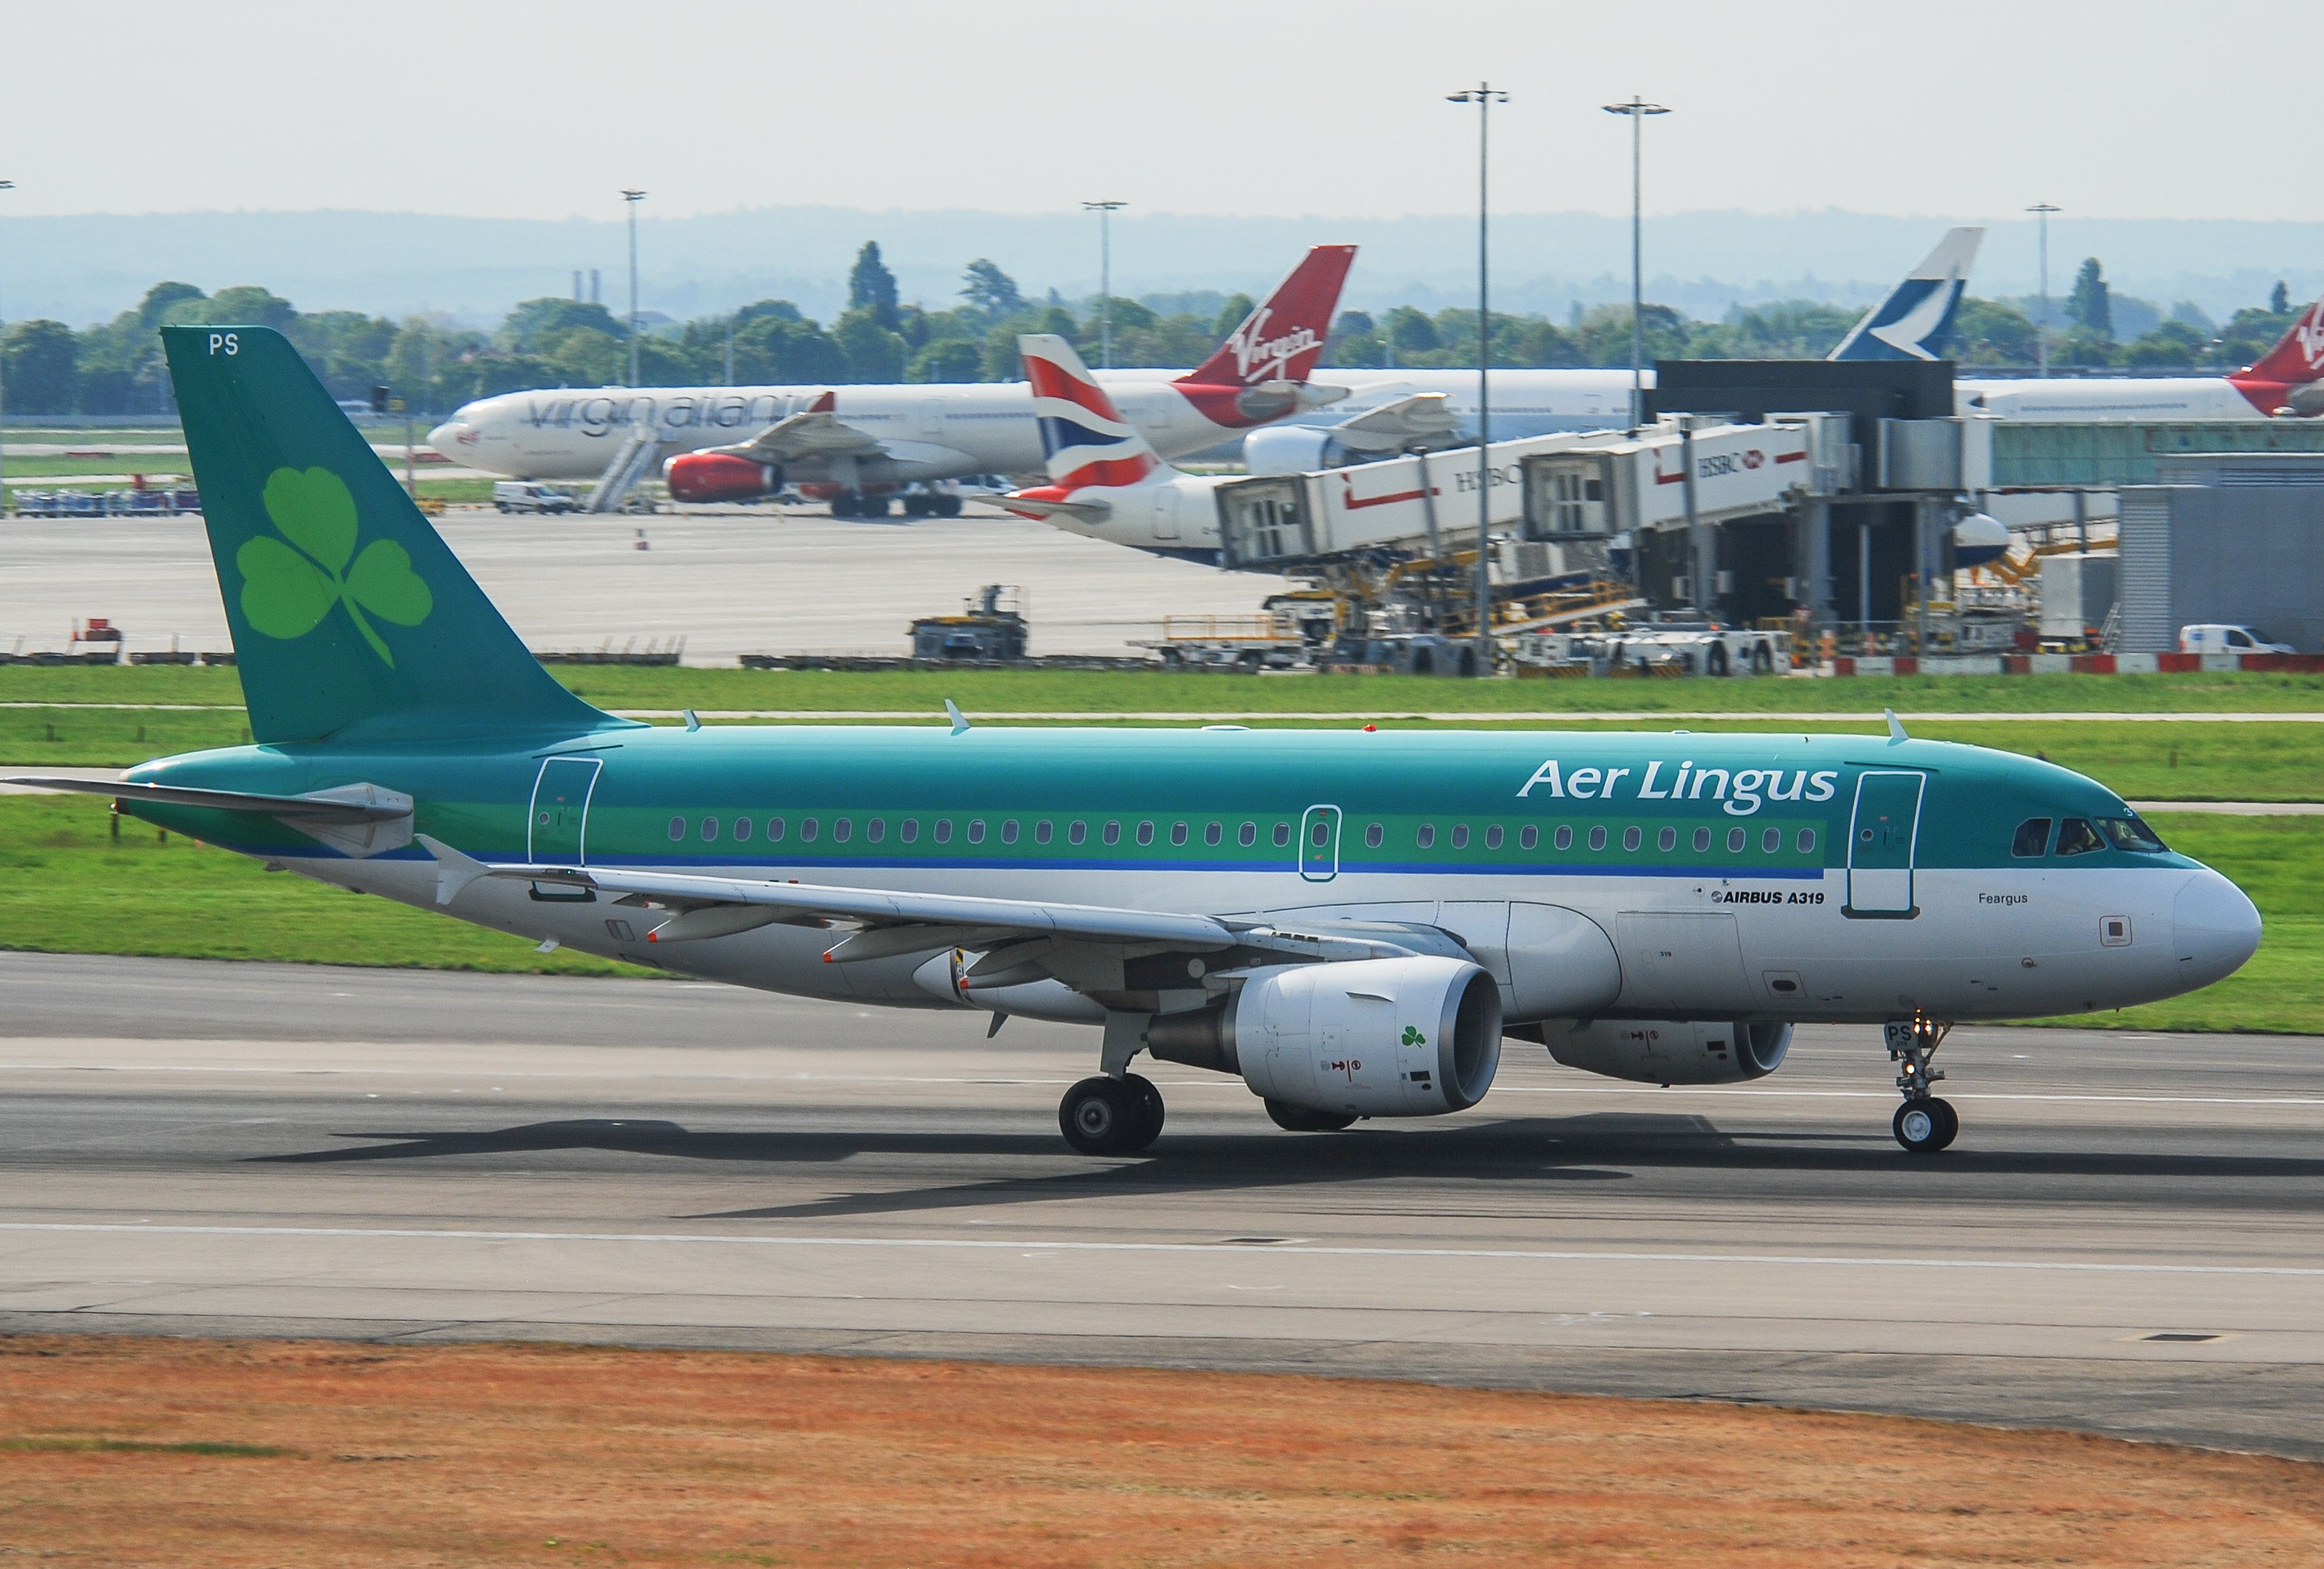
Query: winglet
[(959, 720), (1896, 725), (454, 871)]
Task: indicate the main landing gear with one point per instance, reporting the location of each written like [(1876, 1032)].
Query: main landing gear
[(1924, 1124), (1111, 1116)]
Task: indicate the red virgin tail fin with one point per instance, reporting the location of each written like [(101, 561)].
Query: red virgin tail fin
[(1283, 337), (2297, 359)]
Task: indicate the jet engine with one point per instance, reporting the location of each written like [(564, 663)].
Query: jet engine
[(2305, 401), (1658, 1051), (1367, 1037), (719, 476), (1292, 449)]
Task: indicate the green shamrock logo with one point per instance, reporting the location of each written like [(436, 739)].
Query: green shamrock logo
[(1413, 1036), (289, 585)]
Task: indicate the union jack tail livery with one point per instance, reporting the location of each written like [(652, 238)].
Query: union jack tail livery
[(1283, 336), (2294, 361), (1084, 436)]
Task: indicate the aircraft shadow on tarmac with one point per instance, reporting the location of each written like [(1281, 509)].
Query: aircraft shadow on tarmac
[(1600, 1148)]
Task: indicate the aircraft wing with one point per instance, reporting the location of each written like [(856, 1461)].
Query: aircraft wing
[(815, 432), (1422, 419)]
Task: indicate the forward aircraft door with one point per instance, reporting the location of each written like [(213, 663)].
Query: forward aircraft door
[(1882, 839), (557, 831)]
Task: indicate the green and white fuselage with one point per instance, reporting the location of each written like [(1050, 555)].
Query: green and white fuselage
[(1351, 920)]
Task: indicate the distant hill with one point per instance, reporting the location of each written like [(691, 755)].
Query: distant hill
[(83, 269)]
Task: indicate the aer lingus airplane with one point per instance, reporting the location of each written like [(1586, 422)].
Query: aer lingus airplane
[(1353, 922)]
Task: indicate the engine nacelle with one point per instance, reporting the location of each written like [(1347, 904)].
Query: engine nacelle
[(719, 476), (1658, 1051), (2306, 401), (1375, 1037), (1291, 449)]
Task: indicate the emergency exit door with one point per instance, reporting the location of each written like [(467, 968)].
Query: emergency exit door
[(1883, 833), (558, 833)]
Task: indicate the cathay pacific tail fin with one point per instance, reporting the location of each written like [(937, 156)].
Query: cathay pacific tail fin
[(350, 615), (1915, 322)]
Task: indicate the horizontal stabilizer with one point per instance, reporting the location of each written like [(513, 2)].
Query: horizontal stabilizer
[(352, 804), (1083, 511)]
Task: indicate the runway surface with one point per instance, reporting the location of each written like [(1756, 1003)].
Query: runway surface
[(729, 581), (254, 1149)]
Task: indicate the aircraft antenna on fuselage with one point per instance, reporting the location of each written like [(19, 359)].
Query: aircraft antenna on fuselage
[(1896, 725), (953, 713)]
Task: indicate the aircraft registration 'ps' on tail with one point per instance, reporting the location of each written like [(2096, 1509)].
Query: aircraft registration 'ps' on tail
[(1085, 439), (350, 615), (1284, 335), (1916, 320)]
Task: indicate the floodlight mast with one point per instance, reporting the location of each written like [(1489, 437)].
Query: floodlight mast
[(1484, 94), (1637, 109), (2042, 211), (631, 200), (1106, 211)]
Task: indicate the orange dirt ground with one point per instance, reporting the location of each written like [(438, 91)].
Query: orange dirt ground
[(180, 1453)]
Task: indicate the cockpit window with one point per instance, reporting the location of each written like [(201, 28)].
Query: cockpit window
[(2033, 837), (2130, 833), (2077, 837)]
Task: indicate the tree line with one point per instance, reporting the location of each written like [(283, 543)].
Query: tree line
[(116, 368)]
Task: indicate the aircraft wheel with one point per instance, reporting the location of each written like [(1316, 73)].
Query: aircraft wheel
[(1101, 1116), (947, 506), (1294, 1119), (1924, 1127), (1148, 1102), (843, 506)]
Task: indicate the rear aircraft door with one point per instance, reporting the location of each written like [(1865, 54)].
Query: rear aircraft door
[(557, 831), (1882, 839), (1319, 843), (1166, 512)]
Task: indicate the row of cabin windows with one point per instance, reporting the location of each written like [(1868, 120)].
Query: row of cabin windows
[(2082, 835), (907, 831)]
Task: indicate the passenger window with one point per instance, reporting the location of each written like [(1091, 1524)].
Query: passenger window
[(1771, 841), (2033, 839), (876, 829), (1008, 832), (1282, 836), (1806, 841), (840, 828), (1323, 833), (910, 830), (1598, 839), (709, 829), (2077, 837), (944, 830), (1112, 834), (807, 829), (1565, 837), (1493, 837), (1212, 833), (1077, 831), (741, 827), (1735, 841), (1459, 836), (977, 830), (1528, 837), (1177, 833), (1702, 841), (1632, 838), (1425, 835), (1666, 841), (1044, 831), (678, 829), (1249, 835), (774, 830), (1146, 833), (1373, 835)]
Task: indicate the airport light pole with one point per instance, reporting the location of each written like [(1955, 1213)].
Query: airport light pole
[(1484, 94), (1106, 211), (5, 185), (2042, 211), (631, 199), (1637, 109)]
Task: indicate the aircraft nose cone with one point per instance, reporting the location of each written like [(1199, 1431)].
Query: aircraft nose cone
[(445, 438), (2214, 929)]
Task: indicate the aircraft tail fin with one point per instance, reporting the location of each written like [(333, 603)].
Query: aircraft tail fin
[(1915, 322), (1283, 336), (349, 614), (2296, 358), (1083, 437)]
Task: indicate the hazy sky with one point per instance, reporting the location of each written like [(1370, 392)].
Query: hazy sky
[(2133, 108)]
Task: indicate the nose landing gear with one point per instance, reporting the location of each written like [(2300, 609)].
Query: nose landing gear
[(1924, 1124)]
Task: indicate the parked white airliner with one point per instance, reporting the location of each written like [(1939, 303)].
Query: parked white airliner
[(2288, 382)]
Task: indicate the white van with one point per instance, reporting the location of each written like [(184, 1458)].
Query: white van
[(2222, 638), (530, 496)]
